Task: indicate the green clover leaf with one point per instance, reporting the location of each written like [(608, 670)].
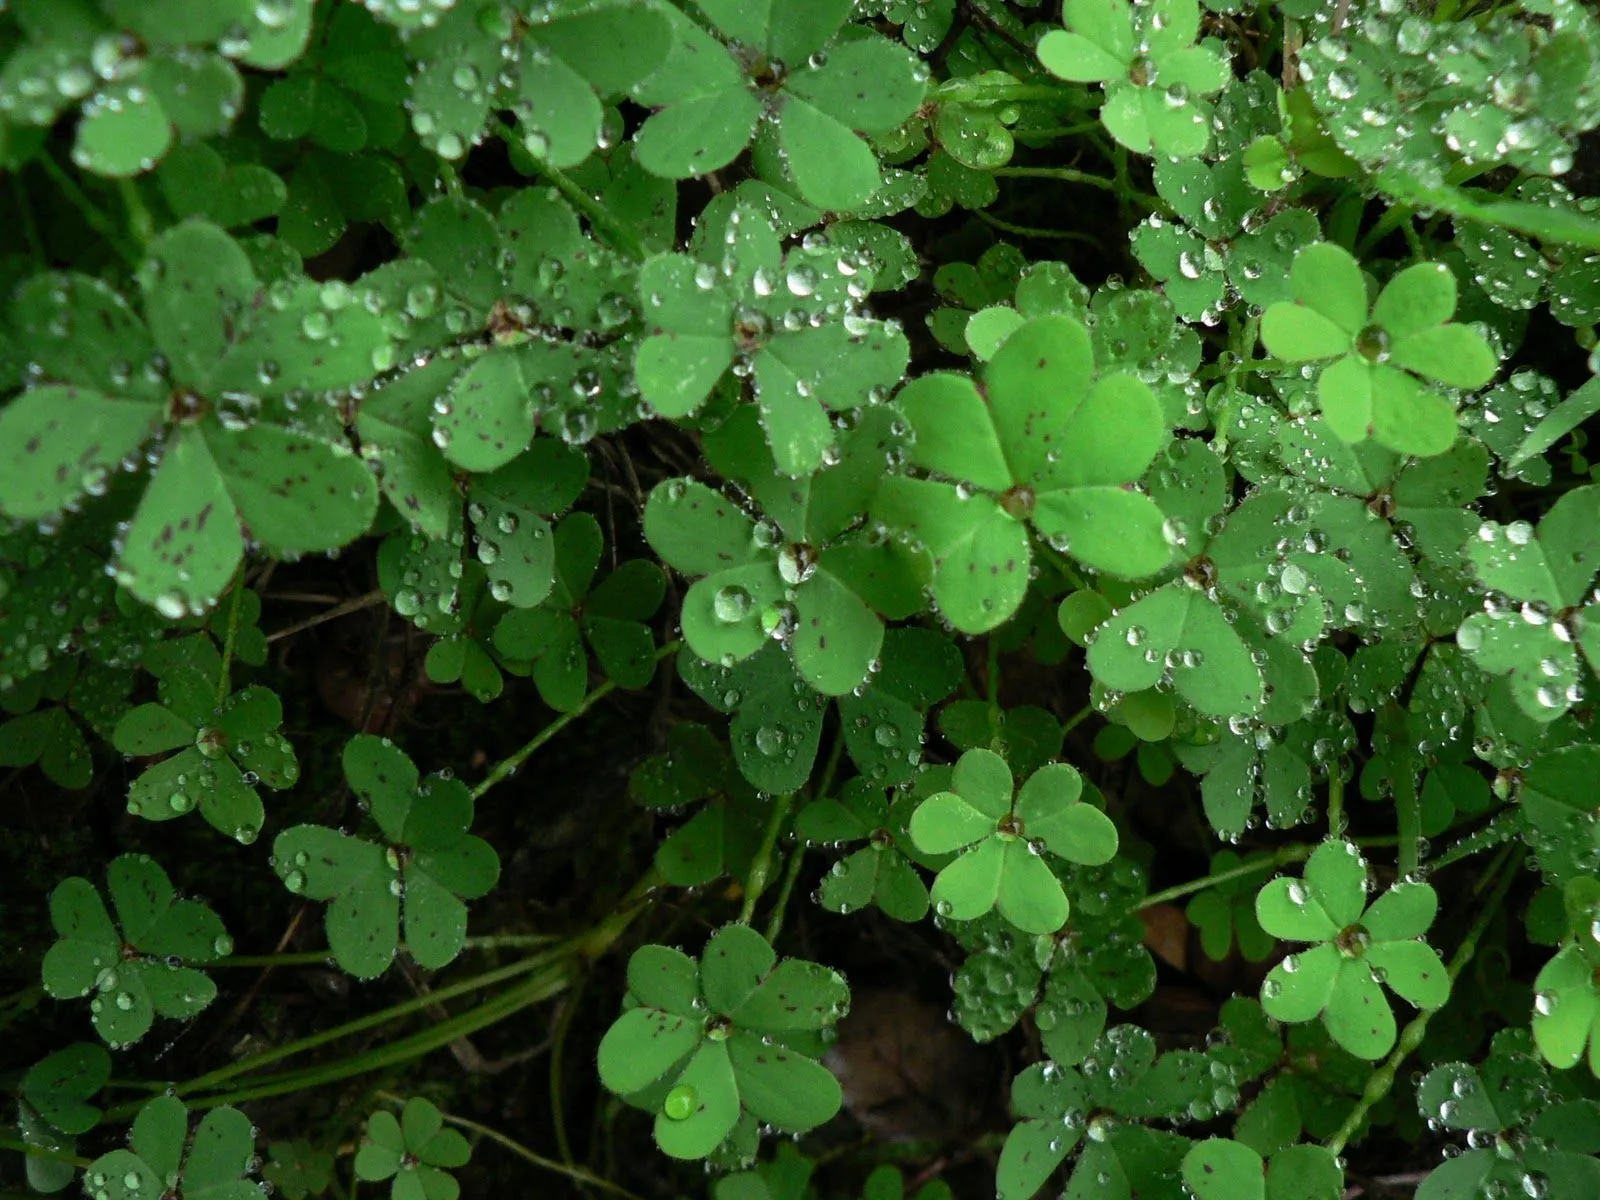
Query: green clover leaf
[(1538, 615), (59, 1086), (723, 837), (707, 1042), (879, 873), (552, 71), (1537, 1145), (804, 575), (792, 80), (418, 875), (1002, 839), (1064, 465), (1357, 945), (135, 968), (163, 1158), (103, 395), (787, 321), (224, 750), (777, 717), (1223, 1169), (1155, 77), (1097, 1104), (417, 1151), (1386, 356), (298, 1169), (1566, 1007), (1225, 914), (548, 641)]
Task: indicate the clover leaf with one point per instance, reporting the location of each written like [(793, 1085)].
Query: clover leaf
[(416, 1151), (802, 575), (1566, 1006), (297, 1169), (549, 639), (551, 69), (788, 321), (1155, 77), (777, 717), (1539, 613), (884, 726), (791, 78), (1223, 1169), (137, 967), (1003, 838), (706, 1042), (1041, 442), (224, 750), (723, 837), (1357, 945), (139, 81), (418, 875), (1386, 357), (1538, 1147), (879, 873), (109, 383), (1098, 1103), (164, 1159), (1225, 914), (57, 1089)]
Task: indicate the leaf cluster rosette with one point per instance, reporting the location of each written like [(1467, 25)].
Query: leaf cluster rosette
[(164, 1158), (1043, 441), (417, 877), (416, 1151), (733, 1036), (1386, 356), (1358, 950), (138, 966), (1002, 833)]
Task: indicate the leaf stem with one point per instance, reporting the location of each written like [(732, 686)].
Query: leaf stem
[(1382, 1080), (1033, 231), (508, 766), (31, 1151), (1408, 814), (761, 865), (140, 223), (1063, 174), (228, 641), (598, 216), (494, 1135), (1281, 857), (1501, 827), (1336, 799), (88, 210), (979, 91), (1077, 718)]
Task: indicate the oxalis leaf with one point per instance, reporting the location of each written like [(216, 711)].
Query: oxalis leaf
[(1003, 839), (416, 877), (1065, 465), (706, 1042), (136, 968), (215, 1161)]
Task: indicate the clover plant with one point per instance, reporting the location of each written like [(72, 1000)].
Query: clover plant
[(1079, 517)]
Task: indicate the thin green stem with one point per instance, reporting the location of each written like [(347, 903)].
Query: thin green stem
[(88, 210), (256, 1062), (307, 958), (558, 1045), (1336, 800), (22, 1147), (992, 683), (224, 689), (598, 215), (785, 889), (1382, 1080), (1281, 857), (30, 223), (1078, 718), (1408, 816), (980, 91), (1063, 174), (1505, 825), (761, 868), (1033, 231), (508, 766), (576, 1173), (1068, 569), (140, 223), (550, 982)]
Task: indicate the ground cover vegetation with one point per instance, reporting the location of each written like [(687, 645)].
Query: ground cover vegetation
[(799, 601)]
